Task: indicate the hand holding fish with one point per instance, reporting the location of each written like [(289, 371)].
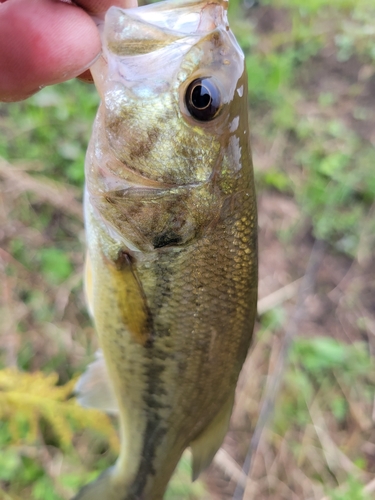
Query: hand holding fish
[(47, 41)]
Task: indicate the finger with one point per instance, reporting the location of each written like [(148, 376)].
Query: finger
[(98, 7), (43, 42), (86, 76)]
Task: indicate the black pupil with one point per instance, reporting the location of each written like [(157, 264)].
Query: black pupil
[(201, 97)]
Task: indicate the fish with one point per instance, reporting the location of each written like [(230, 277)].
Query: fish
[(171, 228)]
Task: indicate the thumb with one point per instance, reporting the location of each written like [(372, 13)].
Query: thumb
[(43, 42)]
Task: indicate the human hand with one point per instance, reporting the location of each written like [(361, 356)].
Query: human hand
[(43, 42)]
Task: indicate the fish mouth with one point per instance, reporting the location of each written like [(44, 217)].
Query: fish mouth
[(148, 28), (148, 43), (150, 55)]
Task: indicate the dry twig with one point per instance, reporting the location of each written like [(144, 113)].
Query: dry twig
[(335, 458), (230, 467), (273, 386), (56, 194), (277, 298)]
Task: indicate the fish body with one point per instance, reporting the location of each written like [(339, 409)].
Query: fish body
[(171, 225)]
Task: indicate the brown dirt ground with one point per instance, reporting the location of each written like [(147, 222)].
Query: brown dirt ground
[(344, 290)]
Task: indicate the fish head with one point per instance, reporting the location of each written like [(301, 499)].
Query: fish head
[(168, 80)]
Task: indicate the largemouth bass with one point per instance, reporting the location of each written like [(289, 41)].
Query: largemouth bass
[(171, 231)]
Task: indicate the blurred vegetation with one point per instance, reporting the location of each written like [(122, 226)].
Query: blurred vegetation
[(311, 70)]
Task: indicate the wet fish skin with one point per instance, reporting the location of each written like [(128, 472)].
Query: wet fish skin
[(171, 230)]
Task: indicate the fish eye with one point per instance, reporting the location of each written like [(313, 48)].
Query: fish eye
[(203, 99)]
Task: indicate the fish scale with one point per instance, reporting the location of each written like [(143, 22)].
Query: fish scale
[(171, 275)]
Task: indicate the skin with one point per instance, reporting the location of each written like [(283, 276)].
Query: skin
[(43, 42)]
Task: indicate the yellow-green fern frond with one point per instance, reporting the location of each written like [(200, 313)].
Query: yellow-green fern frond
[(29, 397)]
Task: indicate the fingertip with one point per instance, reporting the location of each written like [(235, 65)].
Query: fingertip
[(86, 77), (98, 7), (43, 42)]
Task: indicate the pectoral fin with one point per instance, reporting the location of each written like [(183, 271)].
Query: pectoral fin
[(94, 388), (205, 446), (131, 299)]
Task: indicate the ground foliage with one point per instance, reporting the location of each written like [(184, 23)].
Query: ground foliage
[(311, 68)]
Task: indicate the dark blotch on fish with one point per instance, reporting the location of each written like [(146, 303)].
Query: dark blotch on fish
[(165, 239)]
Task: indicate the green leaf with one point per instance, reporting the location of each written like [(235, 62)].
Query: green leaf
[(9, 464), (55, 265)]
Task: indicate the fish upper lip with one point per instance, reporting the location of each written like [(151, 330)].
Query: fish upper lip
[(122, 193), (111, 181), (112, 184), (206, 19)]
